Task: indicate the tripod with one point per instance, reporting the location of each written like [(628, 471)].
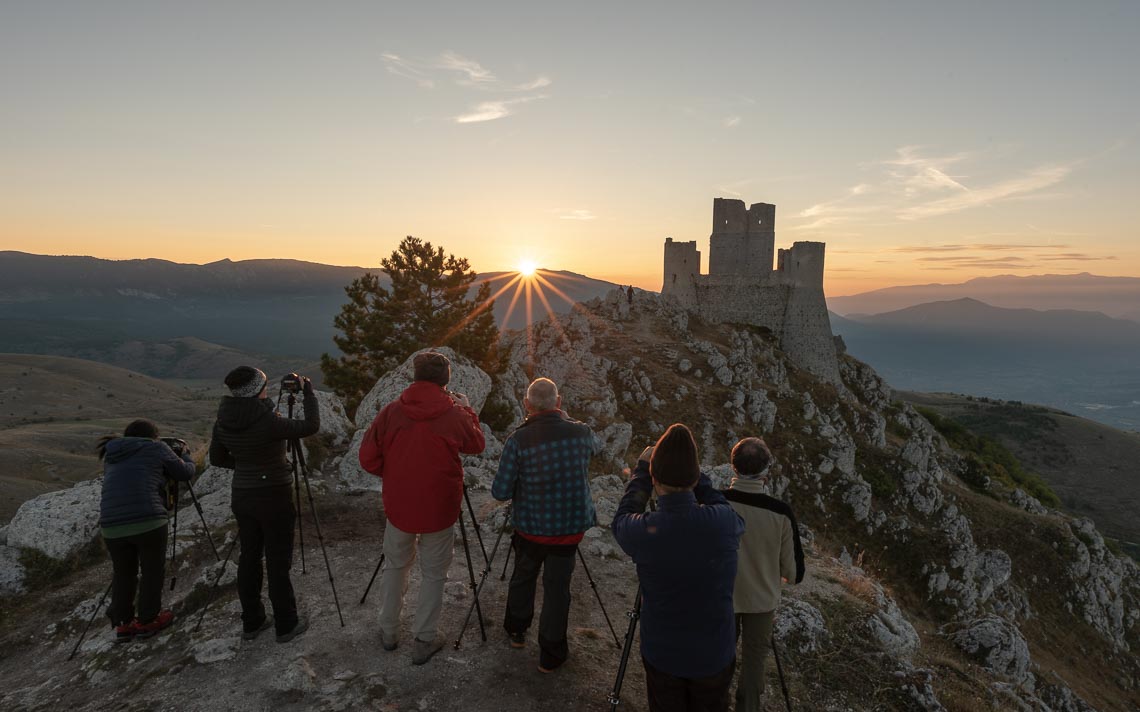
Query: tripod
[(634, 615), (297, 463), (174, 536), (482, 577)]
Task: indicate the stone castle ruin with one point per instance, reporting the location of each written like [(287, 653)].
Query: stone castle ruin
[(741, 286)]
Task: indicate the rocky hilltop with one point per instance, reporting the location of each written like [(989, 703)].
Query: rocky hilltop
[(922, 592)]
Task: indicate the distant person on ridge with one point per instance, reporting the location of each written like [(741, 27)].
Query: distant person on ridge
[(770, 553), (685, 554), (250, 437), (414, 445), (132, 520), (544, 470)]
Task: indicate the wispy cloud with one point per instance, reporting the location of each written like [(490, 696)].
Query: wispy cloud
[(578, 215), (980, 246), (491, 110), (916, 184), (407, 69), (1075, 257), (451, 68), (1033, 181), (473, 72), (731, 122)]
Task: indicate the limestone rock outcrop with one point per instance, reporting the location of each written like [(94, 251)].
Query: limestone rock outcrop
[(59, 523)]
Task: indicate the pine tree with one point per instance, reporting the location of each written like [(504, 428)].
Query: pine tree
[(426, 305)]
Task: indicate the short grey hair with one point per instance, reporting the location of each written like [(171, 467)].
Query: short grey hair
[(542, 394)]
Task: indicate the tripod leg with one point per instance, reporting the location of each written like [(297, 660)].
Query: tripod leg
[(98, 607), (598, 595), (780, 670), (503, 576), (634, 615), (478, 590), (475, 524), (373, 579), (174, 540), (217, 580), (300, 459), (471, 573), (295, 451), (202, 516)]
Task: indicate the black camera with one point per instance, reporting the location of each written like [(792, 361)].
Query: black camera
[(291, 383), (178, 445)]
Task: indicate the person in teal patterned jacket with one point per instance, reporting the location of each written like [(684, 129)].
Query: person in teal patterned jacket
[(544, 471)]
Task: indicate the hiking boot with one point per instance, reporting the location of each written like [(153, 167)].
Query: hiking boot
[(389, 642), (126, 632), (423, 650), (301, 627), (518, 640), (266, 624), (147, 630)]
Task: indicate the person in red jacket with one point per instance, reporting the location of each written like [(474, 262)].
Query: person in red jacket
[(414, 445)]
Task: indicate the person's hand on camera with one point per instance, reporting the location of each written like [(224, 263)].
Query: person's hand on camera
[(306, 385), (646, 454), (459, 399)]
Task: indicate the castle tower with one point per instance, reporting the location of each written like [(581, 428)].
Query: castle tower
[(682, 266), (802, 264), (742, 241)]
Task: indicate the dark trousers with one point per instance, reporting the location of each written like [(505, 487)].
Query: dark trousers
[(557, 564), (668, 693), (265, 518), (129, 554)]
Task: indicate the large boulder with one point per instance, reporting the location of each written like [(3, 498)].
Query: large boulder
[(11, 571), (351, 476), (997, 644), (800, 626), (60, 523), (466, 378)]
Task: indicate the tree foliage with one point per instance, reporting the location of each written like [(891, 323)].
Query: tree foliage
[(426, 305)]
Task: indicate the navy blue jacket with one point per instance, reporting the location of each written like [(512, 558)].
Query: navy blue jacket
[(544, 469), (686, 561), (135, 471)]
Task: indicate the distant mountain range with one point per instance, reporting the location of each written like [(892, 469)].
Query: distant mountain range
[(1115, 296), (1082, 362), (119, 311)]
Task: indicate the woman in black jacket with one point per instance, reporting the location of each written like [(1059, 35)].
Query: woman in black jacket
[(132, 519), (250, 438)]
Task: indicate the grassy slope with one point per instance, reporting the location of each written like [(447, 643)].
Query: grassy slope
[(53, 409), (1093, 468)]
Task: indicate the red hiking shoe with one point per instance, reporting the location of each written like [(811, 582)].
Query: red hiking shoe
[(162, 620), (126, 632)]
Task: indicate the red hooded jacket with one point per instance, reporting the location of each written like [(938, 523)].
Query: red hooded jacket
[(414, 445)]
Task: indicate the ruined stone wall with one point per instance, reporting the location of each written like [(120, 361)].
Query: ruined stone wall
[(741, 286)]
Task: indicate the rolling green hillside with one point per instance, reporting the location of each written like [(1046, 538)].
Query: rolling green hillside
[(1093, 468), (53, 409)]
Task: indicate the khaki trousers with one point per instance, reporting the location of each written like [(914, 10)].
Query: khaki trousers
[(755, 632), (435, 551)]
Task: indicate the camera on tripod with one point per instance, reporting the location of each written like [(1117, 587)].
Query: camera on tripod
[(292, 383), (178, 445)]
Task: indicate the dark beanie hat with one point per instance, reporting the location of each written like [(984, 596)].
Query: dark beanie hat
[(431, 366), (674, 460), (246, 381)]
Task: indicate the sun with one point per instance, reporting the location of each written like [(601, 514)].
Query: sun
[(527, 268)]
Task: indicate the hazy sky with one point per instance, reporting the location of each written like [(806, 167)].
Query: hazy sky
[(924, 142)]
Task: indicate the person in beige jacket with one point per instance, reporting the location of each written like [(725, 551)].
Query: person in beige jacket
[(770, 554)]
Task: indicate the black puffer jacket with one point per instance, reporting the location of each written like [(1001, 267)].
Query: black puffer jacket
[(134, 478), (249, 437)]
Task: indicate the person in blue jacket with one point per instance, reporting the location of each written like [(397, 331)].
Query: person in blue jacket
[(132, 519), (685, 553)]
